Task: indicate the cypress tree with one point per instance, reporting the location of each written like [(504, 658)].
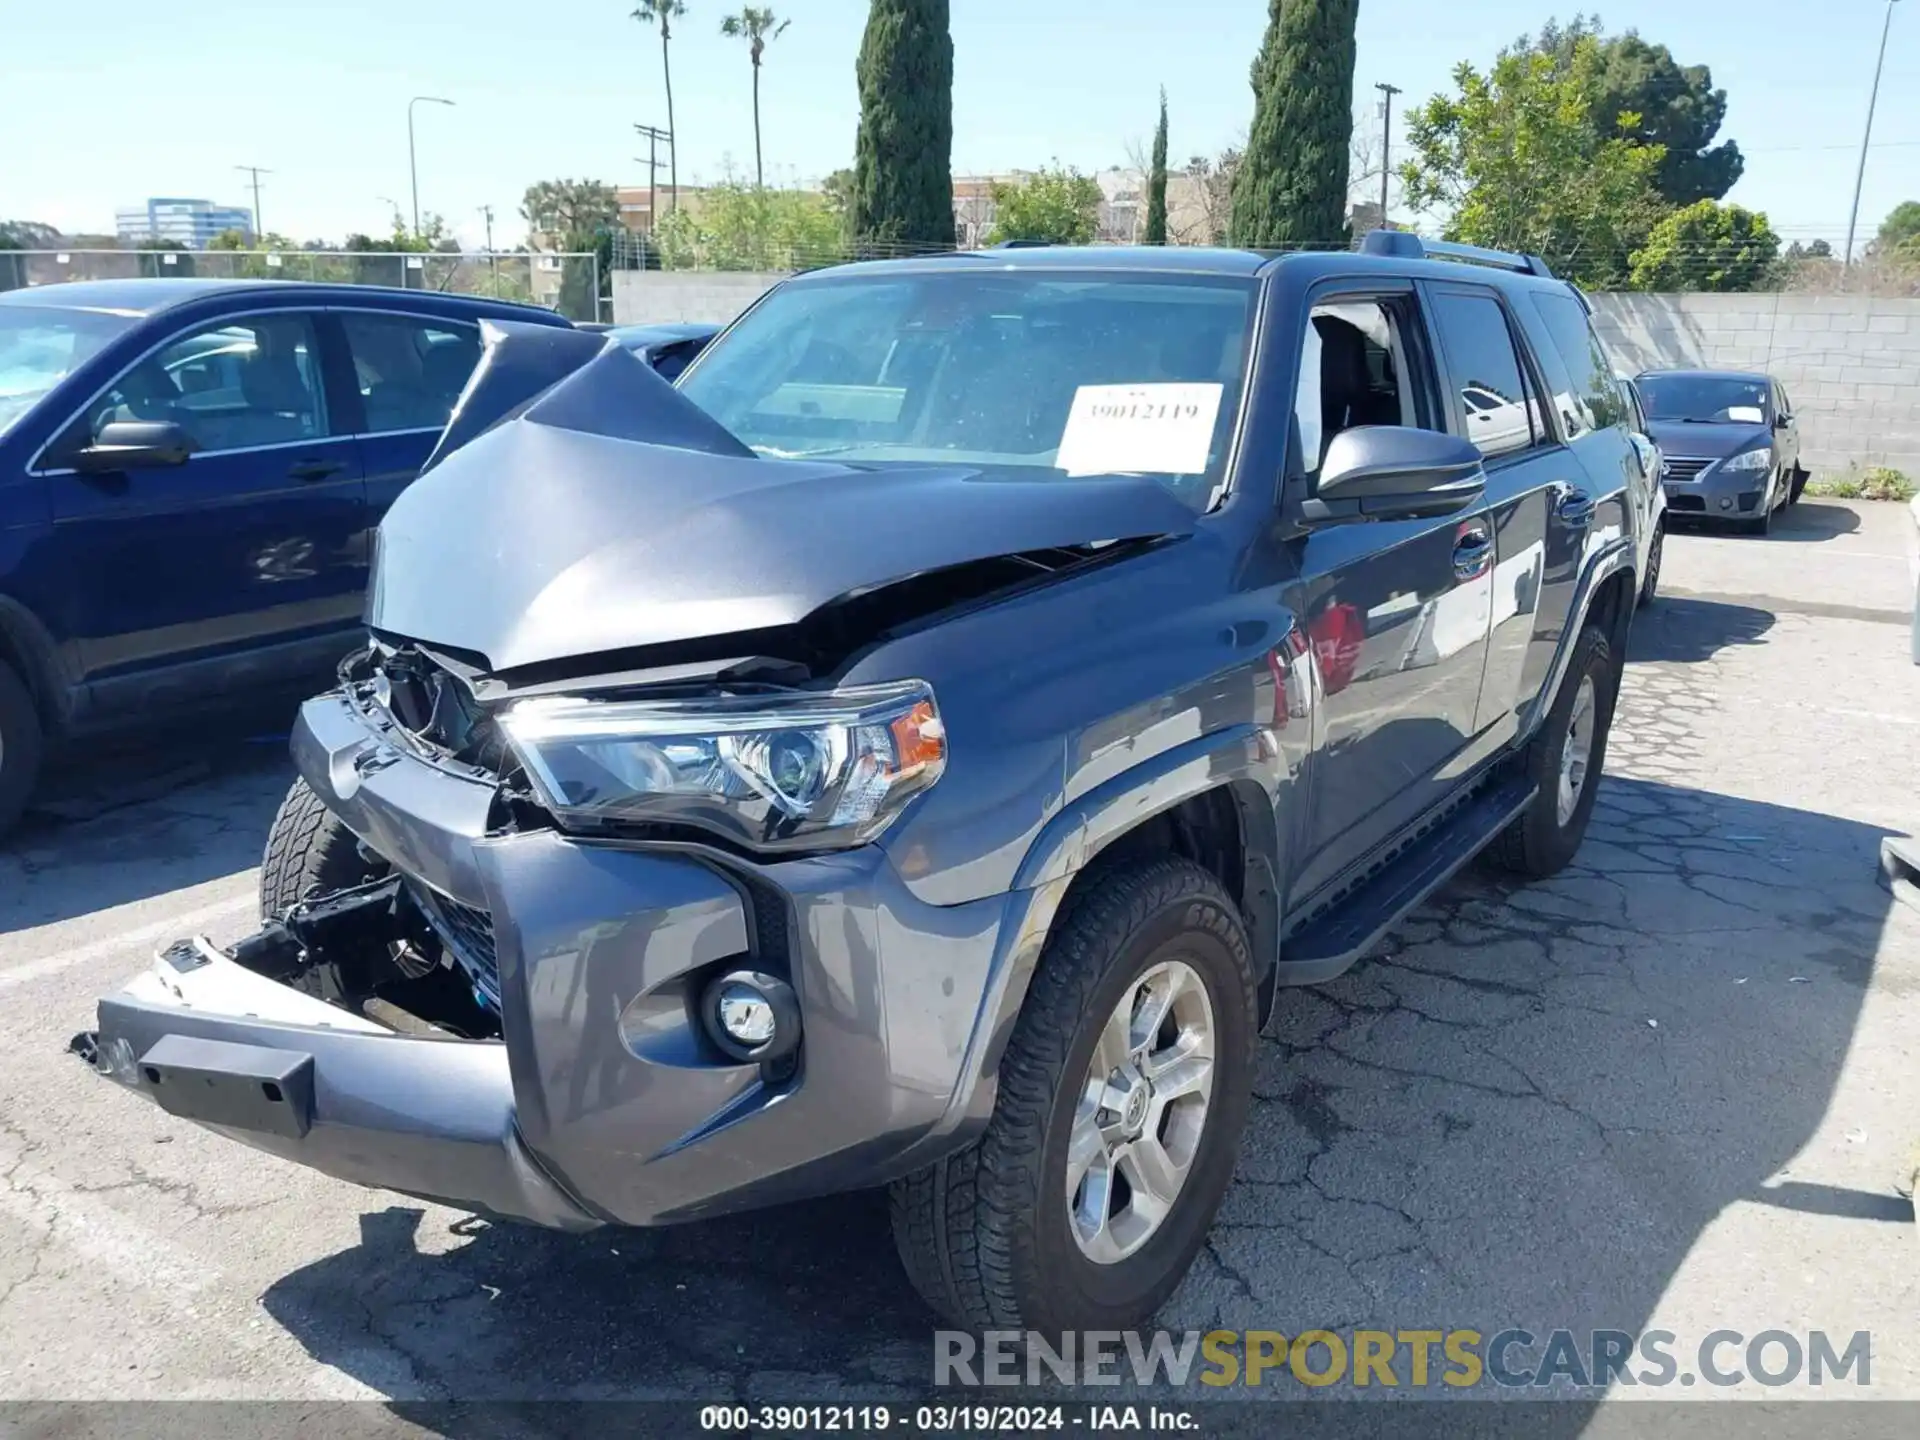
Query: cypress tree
[(1157, 180), (1291, 189), (903, 156)]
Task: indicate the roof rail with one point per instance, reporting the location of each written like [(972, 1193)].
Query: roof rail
[(1405, 245)]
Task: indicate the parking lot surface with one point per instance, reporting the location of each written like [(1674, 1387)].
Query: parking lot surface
[(1665, 1090)]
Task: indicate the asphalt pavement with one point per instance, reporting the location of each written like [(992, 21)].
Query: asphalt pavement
[(1666, 1090)]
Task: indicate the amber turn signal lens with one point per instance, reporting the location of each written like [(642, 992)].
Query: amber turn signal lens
[(918, 737)]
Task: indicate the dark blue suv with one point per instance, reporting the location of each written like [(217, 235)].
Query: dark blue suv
[(191, 472)]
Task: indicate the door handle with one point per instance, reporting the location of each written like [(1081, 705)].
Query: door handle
[(1471, 555), (1576, 507), (315, 469)]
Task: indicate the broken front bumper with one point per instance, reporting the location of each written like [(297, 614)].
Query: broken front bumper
[(604, 1101)]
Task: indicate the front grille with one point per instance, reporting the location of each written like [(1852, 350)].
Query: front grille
[(1686, 502), (1682, 467), (468, 935)]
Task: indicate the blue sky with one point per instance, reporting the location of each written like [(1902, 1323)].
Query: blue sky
[(109, 101)]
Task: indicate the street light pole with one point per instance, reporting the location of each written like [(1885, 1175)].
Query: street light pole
[(1387, 92), (413, 167), (1866, 140)]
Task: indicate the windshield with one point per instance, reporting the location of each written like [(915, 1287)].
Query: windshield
[(1046, 374), (1704, 399), (40, 347)]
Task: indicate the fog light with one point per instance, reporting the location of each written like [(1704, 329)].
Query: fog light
[(751, 1015), (1726, 502)]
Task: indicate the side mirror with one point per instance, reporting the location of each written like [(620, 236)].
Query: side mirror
[(1782, 422), (134, 445), (1393, 472)]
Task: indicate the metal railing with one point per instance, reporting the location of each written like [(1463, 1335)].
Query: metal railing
[(569, 283)]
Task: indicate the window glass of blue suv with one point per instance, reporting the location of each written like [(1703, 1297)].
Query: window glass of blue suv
[(235, 385), (1486, 373)]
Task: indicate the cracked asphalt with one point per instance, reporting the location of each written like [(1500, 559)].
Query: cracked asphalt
[(1666, 1090)]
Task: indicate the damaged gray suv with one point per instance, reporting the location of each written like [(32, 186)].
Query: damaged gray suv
[(919, 748)]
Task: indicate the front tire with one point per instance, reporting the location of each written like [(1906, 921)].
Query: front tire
[(1565, 761), (1798, 485), (1123, 1093), (22, 747), (309, 852)]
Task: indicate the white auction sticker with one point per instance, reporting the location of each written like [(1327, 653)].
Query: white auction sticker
[(1152, 429)]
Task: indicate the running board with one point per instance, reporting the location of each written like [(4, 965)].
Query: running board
[(1331, 943)]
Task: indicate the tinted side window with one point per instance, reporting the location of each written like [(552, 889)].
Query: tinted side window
[(232, 386), (410, 370), (1486, 372), (1592, 401)]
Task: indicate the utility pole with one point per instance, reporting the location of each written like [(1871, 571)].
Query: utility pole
[(493, 265), (413, 168), (1873, 99), (654, 135), (256, 171), (1387, 92)]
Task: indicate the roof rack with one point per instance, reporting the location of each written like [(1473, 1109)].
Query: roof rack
[(1405, 245)]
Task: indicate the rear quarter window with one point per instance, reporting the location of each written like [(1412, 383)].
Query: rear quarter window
[(1591, 398)]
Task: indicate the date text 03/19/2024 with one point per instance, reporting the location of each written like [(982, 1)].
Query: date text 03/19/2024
[(935, 1419)]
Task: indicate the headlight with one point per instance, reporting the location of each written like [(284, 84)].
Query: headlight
[(797, 771), (1761, 459)]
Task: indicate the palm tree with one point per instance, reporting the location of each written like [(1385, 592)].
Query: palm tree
[(756, 25), (664, 12)]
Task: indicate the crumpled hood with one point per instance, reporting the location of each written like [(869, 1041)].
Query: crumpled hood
[(540, 541), (1706, 442)]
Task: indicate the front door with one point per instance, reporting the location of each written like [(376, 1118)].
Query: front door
[(238, 565), (1397, 612)]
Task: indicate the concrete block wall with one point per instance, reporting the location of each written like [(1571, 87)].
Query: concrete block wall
[(653, 297), (1850, 363)]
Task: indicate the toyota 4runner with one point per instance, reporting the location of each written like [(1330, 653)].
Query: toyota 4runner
[(919, 748)]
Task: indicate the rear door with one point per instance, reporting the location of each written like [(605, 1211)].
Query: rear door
[(1786, 431), (407, 371), (237, 566), (1495, 399), (1597, 462), (1396, 611)]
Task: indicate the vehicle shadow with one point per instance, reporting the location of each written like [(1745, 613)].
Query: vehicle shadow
[(1808, 522), (1525, 1111), (112, 825), (1687, 631)]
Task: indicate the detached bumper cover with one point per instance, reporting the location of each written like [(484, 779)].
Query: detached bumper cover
[(604, 1101), (432, 1118)]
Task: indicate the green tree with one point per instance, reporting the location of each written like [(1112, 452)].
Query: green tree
[(1900, 231), (663, 13), (1057, 206), (153, 264), (1291, 189), (1513, 160), (571, 210), (756, 25), (1707, 246), (1157, 180), (1641, 93), (903, 155), (749, 227)]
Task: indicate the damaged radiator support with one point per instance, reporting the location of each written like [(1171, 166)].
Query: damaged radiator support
[(337, 930)]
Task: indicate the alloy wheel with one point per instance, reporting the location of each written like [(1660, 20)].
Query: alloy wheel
[(1142, 1112), (1576, 753)]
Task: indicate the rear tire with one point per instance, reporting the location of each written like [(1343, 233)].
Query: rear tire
[(992, 1235), (1543, 839), (1655, 552), (309, 852), (22, 747)]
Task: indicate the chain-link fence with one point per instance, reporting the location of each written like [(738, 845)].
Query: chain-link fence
[(568, 283)]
